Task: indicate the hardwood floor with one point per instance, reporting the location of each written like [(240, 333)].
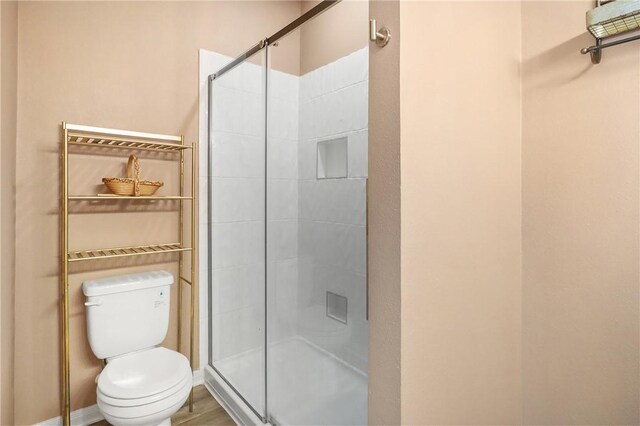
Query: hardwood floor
[(206, 411)]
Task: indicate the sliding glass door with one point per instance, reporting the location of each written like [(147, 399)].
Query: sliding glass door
[(317, 120), (237, 226), (288, 175)]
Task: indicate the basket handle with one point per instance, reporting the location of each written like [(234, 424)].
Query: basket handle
[(133, 161)]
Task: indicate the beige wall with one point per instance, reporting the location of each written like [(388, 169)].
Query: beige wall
[(8, 110), (383, 219), (461, 212), (117, 64), (581, 138), (333, 34), (519, 246), (484, 339)]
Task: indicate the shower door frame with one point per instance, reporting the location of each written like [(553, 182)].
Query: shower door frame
[(259, 46), (262, 44)]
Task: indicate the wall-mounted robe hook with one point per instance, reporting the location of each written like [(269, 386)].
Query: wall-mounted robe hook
[(381, 37)]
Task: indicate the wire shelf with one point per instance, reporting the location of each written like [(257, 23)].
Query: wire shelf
[(615, 26), (610, 19), (96, 140), (112, 138), (112, 197), (110, 253)]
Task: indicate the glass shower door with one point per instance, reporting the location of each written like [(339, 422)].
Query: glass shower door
[(237, 231), (287, 211), (317, 120)]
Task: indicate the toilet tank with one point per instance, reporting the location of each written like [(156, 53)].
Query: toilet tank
[(127, 313)]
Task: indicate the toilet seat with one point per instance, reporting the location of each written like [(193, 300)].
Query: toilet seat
[(143, 410), (132, 402), (143, 374), (144, 387)]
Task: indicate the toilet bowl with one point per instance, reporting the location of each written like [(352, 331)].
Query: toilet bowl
[(143, 387), (127, 317)]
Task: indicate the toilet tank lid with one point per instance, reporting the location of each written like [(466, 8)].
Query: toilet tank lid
[(123, 283)]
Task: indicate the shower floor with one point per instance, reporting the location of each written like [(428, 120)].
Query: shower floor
[(307, 386)]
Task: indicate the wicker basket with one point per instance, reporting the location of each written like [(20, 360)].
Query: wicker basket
[(132, 185)]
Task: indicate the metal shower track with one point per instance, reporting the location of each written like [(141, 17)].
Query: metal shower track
[(310, 14)]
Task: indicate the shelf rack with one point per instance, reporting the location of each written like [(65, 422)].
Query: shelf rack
[(109, 253), (124, 140), (109, 197), (611, 18)]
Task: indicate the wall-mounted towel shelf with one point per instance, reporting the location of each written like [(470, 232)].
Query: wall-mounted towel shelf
[(110, 253), (111, 138), (609, 19), (112, 197), (122, 142)]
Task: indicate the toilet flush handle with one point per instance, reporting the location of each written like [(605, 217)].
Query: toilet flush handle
[(96, 303)]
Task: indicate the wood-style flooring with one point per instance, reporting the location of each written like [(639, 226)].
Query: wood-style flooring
[(206, 411)]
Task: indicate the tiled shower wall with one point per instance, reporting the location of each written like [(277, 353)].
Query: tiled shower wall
[(282, 204), (331, 212), (316, 227)]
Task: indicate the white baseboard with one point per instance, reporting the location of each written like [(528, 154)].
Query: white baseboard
[(88, 415), (84, 416), (198, 377)]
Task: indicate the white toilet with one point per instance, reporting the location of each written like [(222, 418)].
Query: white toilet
[(127, 318)]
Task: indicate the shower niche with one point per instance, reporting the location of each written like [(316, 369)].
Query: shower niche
[(332, 159), (286, 136)]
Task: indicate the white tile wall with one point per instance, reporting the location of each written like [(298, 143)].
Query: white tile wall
[(347, 200), (237, 243), (283, 299), (282, 199), (348, 342), (282, 239), (332, 212), (358, 154), (307, 149), (237, 331), (238, 156), (237, 199), (335, 244), (282, 204), (282, 159), (239, 286)]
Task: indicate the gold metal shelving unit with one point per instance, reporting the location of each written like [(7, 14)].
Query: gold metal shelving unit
[(124, 140)]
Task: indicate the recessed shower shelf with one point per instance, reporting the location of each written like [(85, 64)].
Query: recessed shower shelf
[(109, 253), (112, 197)]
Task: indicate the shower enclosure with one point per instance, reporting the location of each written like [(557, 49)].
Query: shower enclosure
[(287, 174)]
